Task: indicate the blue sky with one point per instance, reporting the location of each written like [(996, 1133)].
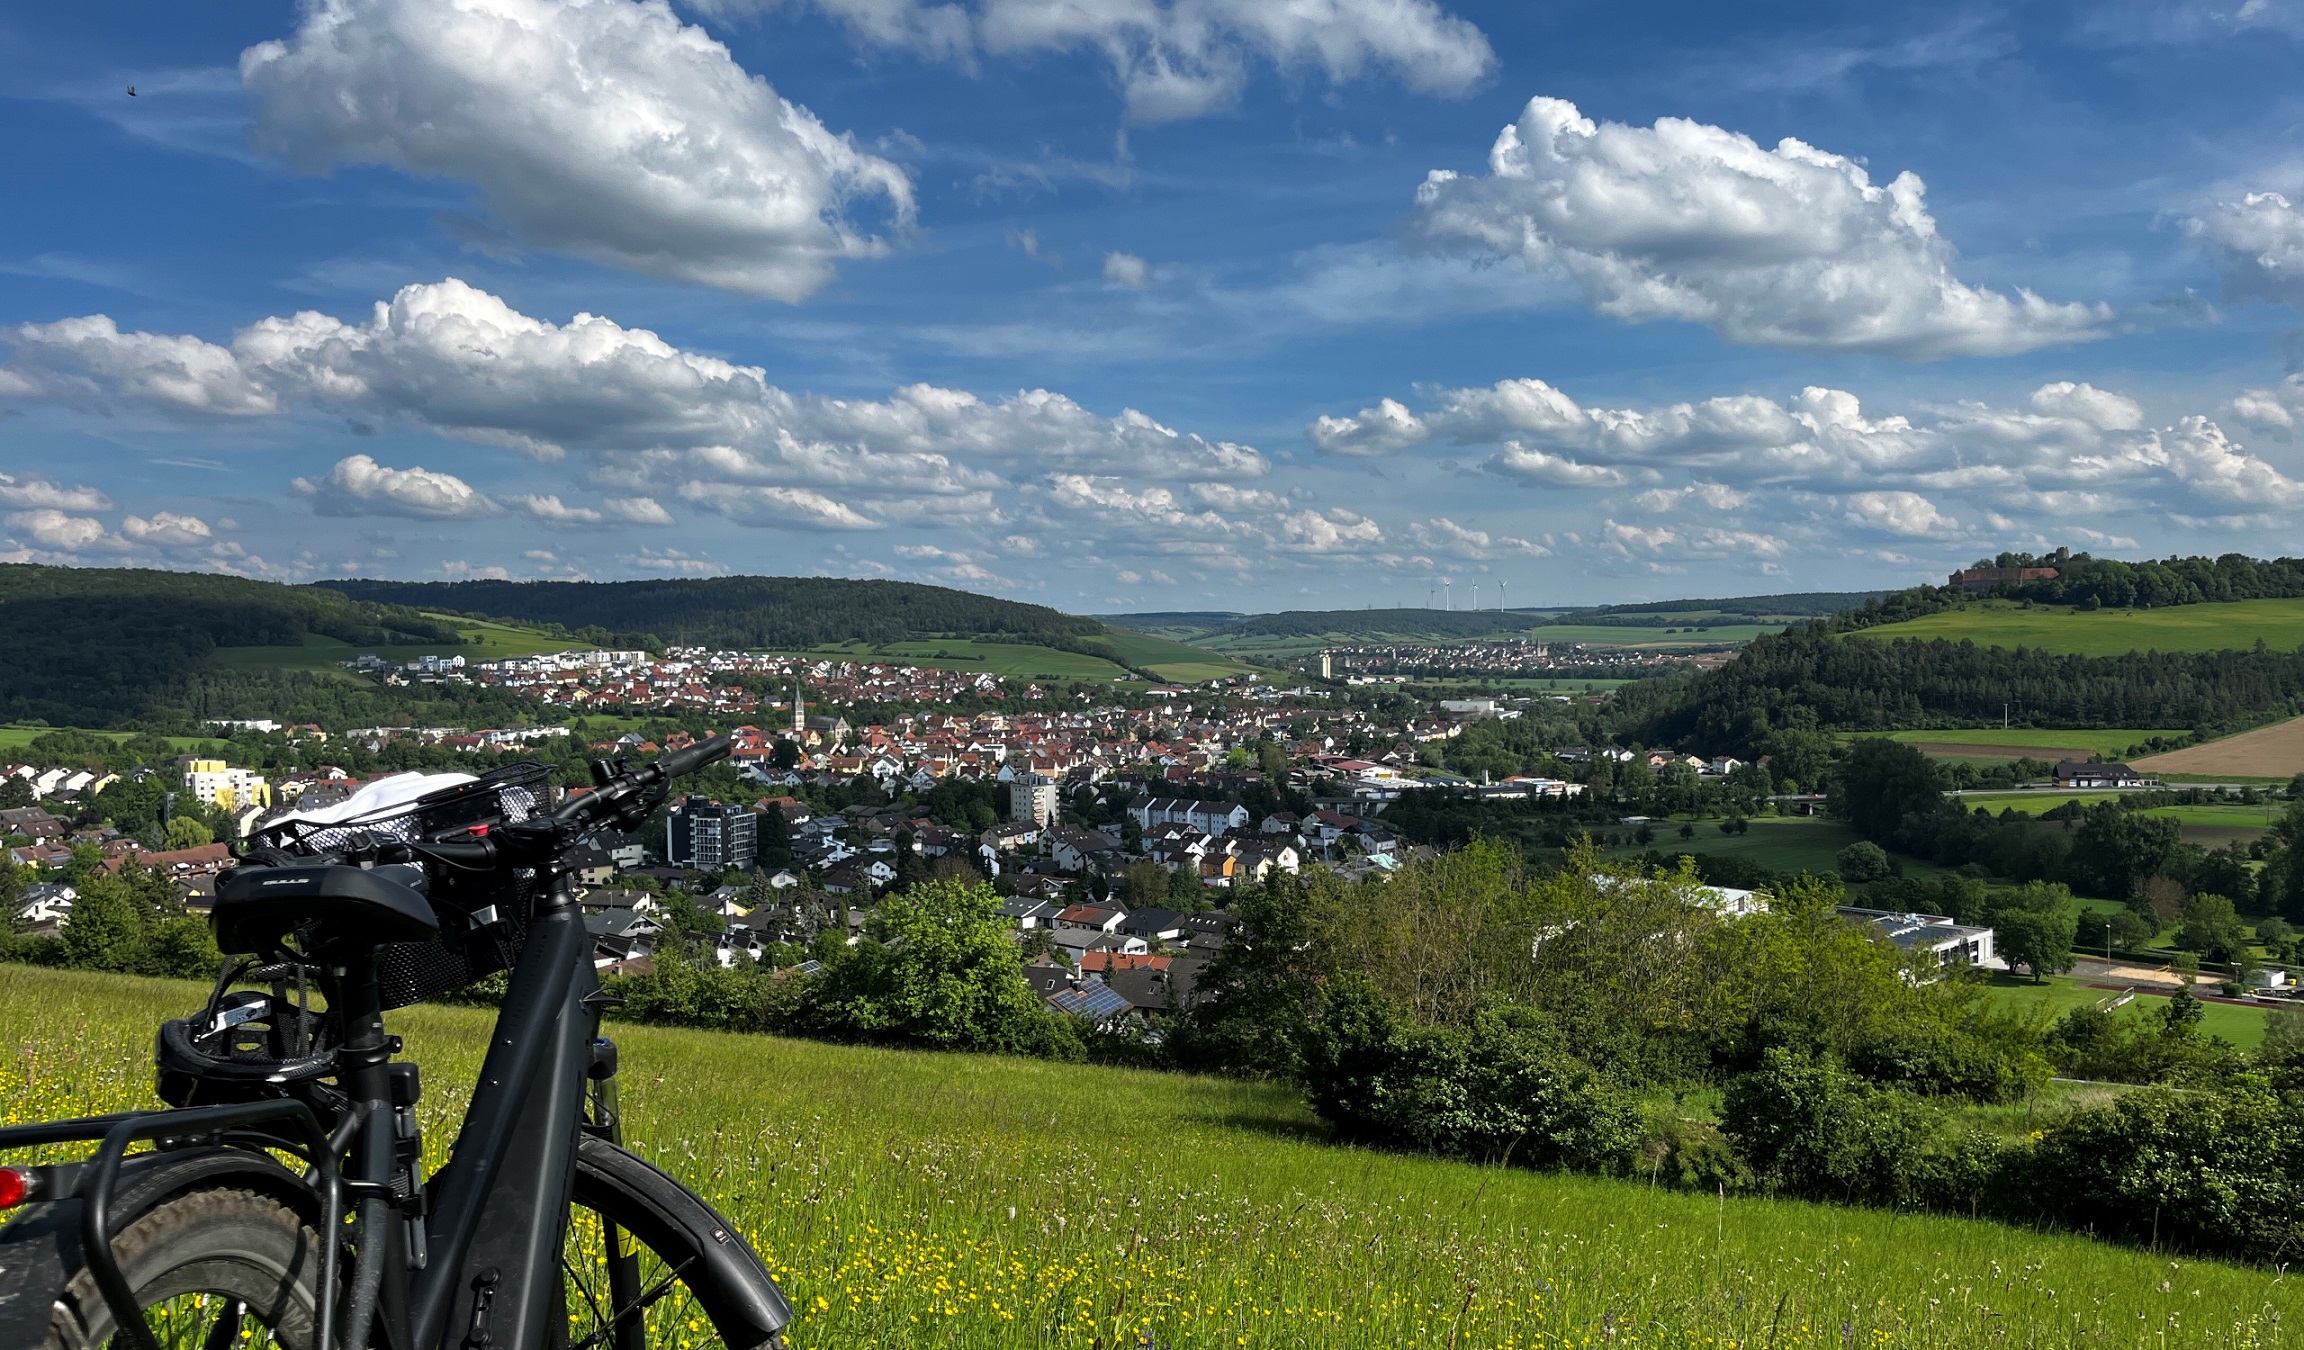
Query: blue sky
[(1149, 304)]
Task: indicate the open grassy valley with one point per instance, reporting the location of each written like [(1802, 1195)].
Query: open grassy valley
[(910, 1199)]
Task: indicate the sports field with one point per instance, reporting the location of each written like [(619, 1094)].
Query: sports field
[(973, 1203), (2110, 632), (2058, 994)]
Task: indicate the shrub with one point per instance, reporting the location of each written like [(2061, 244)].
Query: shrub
[(1810, 1128), (1502, 1089)]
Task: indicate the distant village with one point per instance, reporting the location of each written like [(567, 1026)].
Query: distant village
[(1119, 828)]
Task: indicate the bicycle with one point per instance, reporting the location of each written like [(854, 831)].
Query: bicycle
[(542, 1232)]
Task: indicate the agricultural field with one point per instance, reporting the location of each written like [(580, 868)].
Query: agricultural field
[(2275, 752), (1172, 660), (2023, 742), (2109, 632), (484, 640), (908, 1199)]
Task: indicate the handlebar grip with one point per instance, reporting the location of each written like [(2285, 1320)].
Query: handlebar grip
[(682, 762)]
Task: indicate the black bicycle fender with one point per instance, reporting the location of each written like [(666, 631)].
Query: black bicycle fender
[(40, 1247), (736, 1290)]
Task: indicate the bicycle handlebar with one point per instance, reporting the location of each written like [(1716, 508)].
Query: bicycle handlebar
[(541, 840), (681, 763)]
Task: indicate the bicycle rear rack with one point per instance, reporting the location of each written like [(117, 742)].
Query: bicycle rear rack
[(97, 1175)]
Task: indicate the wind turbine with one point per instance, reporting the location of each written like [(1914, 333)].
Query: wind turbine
[(1499, 597), (1448, 596), (1475, 597)]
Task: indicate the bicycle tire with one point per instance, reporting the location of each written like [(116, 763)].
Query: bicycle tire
[(693, 1284), (213, 1269)]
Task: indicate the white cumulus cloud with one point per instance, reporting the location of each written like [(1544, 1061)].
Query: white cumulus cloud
[(39, 492), (657, 421), (603, 128), (1901, 513), (1788, 247), (359, 486), (2257, 242)]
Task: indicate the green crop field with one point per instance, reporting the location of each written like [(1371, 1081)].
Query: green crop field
[(1172, 660), (483, 641), (2110, 632), (915, 1200), (2042, 744)]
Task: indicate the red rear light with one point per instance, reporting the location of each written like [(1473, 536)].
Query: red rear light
[(14, 1187), (476, 831)]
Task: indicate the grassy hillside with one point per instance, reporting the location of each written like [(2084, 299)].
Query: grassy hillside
[(2279, 624), (480, 640), (739, 611), (914, 1200)]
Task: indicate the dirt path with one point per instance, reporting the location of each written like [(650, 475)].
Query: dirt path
[(2276, 751)]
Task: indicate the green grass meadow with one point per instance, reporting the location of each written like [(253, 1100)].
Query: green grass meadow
[(2042, 744), (2110, 632), (2058, 994), (16, 738), (916, 1200)]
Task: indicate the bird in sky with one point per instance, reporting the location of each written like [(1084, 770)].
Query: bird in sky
[(131, 91)]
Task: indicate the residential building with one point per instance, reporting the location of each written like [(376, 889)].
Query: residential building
[(1032, 797), (227, 789), (710, 837), (2071, 773), (1207, 817)]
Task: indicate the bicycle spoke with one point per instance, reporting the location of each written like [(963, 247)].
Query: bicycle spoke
[(595, 1315)]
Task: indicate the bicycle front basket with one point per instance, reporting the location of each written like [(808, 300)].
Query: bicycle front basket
[(483, 916)]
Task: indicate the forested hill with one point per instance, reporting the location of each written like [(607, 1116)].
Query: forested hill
[(739, 611), (1968, 673), (80, 644)]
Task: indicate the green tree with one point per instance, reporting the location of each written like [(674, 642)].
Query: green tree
[(107, 930), (2211, 927), (188, 832), (2035, 927), (1883, 784), (2115, 850), (1862, 861), (938, 969)]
